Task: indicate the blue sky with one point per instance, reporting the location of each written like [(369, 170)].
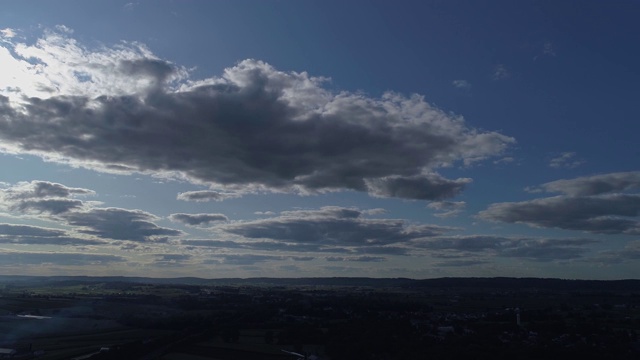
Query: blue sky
[(320, 138)]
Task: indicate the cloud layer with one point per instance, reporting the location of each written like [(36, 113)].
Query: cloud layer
[(255, 128), (596, 204), (55, 202)]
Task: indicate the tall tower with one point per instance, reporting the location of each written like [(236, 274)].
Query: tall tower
[(518, 317)]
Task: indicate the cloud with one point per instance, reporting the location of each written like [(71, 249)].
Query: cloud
[(34, 235), (422, 187), (42, 197), (532, 249), (249, 259), (68, 259), (461, 84), (43, 189), (356, 258), (447, 208), (461, 263), (603, 214), (206, 195), (252, 129), (47, 206), (596, 184), (49, 240), (119, 224), (566, 160), (171, 259), (7, 33), (547, 51), (631, 252), (500, 72), (27, 230), (51, 201), (332, 226), (597, 204), (197, 219)]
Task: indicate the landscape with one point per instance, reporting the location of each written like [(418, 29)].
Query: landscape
[(319, 179), (75, 317)]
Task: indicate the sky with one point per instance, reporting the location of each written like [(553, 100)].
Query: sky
[(416, 139)]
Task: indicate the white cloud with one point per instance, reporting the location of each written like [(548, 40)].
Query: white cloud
[(7, 33)]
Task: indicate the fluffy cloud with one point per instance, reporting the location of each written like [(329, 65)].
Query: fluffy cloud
[(592, 204), (119, 224), (43, 189), (252, 129), (41, 197), (197, 219)]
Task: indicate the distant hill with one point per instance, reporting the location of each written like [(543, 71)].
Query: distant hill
[(497, 283)]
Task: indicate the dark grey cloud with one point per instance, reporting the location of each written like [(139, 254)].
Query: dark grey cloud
[(421, 187), (34, 235), (332, 226), (118, 224), (57, 258), (28, 230), (532, 249), (47, 206), (206, 195), (254, 129), (49, 240), (605, 214), (596, 184), (197, 219)]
